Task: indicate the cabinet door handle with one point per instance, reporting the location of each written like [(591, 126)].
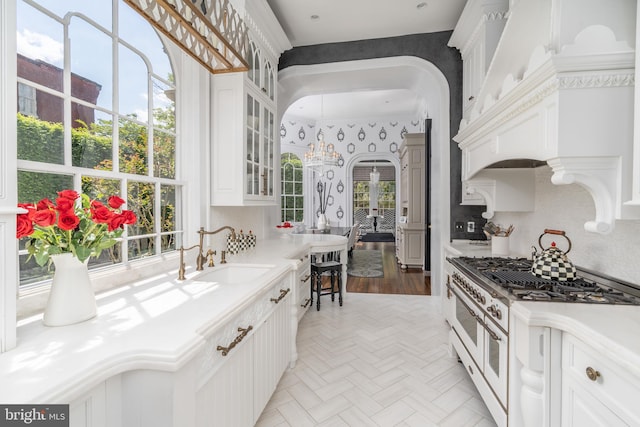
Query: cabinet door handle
[(306, 279), (592, 374), (306, 303), (236, 341), (283, 293)]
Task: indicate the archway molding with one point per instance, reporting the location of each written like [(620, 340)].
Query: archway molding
[(418, 75)]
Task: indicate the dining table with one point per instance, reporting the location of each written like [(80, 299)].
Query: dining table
[(338, 231)]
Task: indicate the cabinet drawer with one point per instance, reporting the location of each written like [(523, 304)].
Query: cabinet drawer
[(230, 336), (602, 378), (303, 289)]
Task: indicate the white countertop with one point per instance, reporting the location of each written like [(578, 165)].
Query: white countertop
[(612, 330), (471, 248), (150, 324)]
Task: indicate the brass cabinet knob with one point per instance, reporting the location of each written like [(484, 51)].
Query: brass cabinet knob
[(592, 374)]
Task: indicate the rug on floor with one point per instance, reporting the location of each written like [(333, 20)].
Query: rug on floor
[(365, 263), (378, 237)]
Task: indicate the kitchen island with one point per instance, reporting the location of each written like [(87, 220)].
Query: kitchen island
[(155, 350)]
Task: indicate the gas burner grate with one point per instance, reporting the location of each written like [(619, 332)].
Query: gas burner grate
[(497, 264), (526, 286)]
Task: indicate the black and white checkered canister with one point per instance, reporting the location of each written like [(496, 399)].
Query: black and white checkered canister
[(553, 264)]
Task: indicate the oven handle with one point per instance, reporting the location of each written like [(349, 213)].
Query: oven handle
[(479, 319), (492, 334)]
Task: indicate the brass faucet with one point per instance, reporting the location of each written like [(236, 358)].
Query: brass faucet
[(201, 257), (181, 269)]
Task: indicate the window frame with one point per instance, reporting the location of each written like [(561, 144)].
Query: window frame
[(297, 197), (77, 172)]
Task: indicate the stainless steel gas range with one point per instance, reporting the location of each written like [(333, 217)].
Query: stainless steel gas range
[(481, 290)]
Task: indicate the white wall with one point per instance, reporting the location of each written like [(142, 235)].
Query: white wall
[(568, 207)]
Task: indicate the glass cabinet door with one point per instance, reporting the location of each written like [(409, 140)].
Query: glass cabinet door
[(267, 152), (253, 146)]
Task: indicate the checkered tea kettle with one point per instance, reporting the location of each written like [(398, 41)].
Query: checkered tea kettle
[(552, 263)]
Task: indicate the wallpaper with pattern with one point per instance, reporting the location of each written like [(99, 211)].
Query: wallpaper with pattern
[(350, 138)]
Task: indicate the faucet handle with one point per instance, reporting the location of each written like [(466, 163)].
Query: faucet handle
[(210, 255)]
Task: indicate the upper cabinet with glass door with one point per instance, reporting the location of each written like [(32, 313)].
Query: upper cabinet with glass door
[(244, 106)]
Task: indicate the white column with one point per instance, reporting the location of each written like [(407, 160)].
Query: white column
[(8, 178)]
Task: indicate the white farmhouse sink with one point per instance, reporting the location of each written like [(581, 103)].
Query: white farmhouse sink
[(233, 273)]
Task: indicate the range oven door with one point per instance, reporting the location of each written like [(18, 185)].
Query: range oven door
[(495, 368), (467, 327), (486, 343)]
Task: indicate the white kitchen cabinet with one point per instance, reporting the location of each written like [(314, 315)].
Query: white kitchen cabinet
[(302, 294), (596, 391), (244, 131), (476, 36), (271, 353), (244, 360), (410, 246), (227, 398), (90, 410), (410, 234)]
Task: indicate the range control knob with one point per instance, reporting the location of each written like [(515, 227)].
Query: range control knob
[(482, 300), (495, 311)]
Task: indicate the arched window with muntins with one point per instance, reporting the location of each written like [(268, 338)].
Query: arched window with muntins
[(292, 198), (254, 64), (96, 113)]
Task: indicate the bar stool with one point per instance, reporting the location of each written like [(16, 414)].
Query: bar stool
[(321, 264)]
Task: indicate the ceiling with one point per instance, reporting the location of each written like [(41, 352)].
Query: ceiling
[(311, 22)]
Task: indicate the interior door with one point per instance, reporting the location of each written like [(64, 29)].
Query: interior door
[(427, 198)]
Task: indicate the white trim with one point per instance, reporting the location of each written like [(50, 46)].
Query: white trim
[(364, 157), (8, 176)]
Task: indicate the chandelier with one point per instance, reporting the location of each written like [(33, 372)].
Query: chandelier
[(321, 157), (374, 176)]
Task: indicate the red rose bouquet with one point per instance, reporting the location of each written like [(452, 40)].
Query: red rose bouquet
[(84, 229)]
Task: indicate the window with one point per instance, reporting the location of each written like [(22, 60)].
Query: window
[(291, 194), (386, 205), (103, 124)]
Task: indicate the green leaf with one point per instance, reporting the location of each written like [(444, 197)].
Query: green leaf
[(83, 253), (41, 258)]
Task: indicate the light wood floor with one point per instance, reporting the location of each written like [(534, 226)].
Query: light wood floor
[(395, 280)]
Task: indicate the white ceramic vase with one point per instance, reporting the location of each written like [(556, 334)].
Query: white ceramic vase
[(71, 299), (323, 223)]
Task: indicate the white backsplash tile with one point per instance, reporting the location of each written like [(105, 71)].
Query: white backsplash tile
[(568, 207)]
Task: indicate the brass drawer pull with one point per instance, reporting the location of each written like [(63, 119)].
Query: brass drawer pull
[(306, 303), (592, 374), (283, 293), (235, 342), (306, 279)]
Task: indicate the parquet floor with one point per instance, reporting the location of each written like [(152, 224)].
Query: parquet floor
[(381, 361)]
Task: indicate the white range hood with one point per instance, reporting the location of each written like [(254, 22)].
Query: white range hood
[(559, 89)]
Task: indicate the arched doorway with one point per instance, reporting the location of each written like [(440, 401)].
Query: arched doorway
[(420, 76)]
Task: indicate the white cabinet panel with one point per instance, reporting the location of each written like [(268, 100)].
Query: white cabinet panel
[(410, 235), (596, 391), (243, 152), (225, 400), (90, 410), (272, 351)]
